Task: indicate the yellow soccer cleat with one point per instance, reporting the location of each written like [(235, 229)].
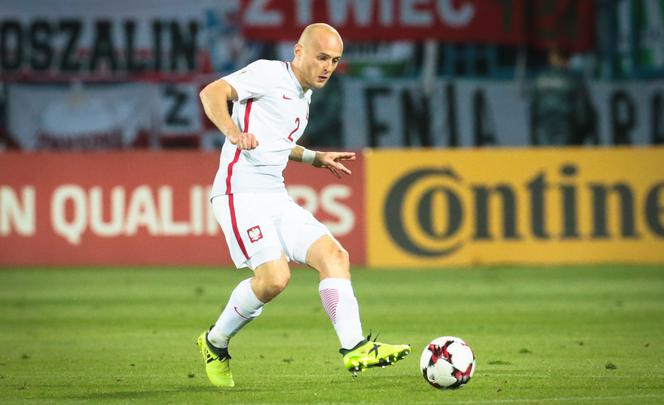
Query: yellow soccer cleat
[(217, 363), (369, 353)]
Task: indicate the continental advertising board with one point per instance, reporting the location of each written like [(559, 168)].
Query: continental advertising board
[(441, 207), (143, 208), (398, 209)]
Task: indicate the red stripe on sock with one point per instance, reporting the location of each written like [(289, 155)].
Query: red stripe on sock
[(330, 298)]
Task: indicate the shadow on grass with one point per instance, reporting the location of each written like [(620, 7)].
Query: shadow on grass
[(155, 394)]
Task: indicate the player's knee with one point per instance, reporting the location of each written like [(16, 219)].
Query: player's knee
[(338, 257), (342, 256), (329, 258), (273, 282), (268, 288), (271, 279), (278, 282)]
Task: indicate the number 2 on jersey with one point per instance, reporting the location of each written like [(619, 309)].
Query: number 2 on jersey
[(297, 126)]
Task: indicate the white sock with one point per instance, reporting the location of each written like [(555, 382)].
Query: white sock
[(243, 306), (341, 306)]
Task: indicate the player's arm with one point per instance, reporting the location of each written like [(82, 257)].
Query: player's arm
[(215, 97), (327, 160)]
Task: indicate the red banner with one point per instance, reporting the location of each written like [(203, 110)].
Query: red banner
[(515, 22), (143, 208)]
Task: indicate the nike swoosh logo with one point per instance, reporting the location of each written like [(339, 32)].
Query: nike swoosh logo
[(286, 98)]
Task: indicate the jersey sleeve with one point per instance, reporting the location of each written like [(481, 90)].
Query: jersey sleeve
[(252, 81)]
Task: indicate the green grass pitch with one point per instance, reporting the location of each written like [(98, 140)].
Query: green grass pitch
[(588, 334)]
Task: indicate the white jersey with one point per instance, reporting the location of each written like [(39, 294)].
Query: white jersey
[(273, 106)]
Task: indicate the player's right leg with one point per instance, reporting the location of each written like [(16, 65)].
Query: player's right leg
[(253, 243), (244, 305)]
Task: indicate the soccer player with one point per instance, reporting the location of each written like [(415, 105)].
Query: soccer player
[(264, 228)]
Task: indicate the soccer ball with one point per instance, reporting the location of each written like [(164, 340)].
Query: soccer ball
[(447, 362)]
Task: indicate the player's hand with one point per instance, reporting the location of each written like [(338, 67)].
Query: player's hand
[(244, 141), (331, 161)]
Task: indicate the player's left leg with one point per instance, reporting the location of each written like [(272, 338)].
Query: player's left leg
[(258, 248), (306, 240), (331, 260)]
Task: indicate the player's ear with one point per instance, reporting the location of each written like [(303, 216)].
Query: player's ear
[(298, 50)]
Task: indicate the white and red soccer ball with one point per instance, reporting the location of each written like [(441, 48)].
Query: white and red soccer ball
[(447, 362)]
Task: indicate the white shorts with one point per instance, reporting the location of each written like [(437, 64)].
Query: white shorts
[(260, 227)]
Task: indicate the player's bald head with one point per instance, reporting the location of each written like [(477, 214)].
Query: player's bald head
[(320, 35), (316, 55)]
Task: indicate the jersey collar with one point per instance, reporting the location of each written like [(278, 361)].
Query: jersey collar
[(298, 86)]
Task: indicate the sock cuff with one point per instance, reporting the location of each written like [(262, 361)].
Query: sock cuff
[(335, 283)]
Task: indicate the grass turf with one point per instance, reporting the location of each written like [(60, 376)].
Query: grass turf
[(571, 334)]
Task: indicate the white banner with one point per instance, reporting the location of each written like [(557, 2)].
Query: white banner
[(475, 113), (60, 117)]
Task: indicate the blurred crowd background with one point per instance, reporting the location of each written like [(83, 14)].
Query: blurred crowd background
[(124, 74)]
